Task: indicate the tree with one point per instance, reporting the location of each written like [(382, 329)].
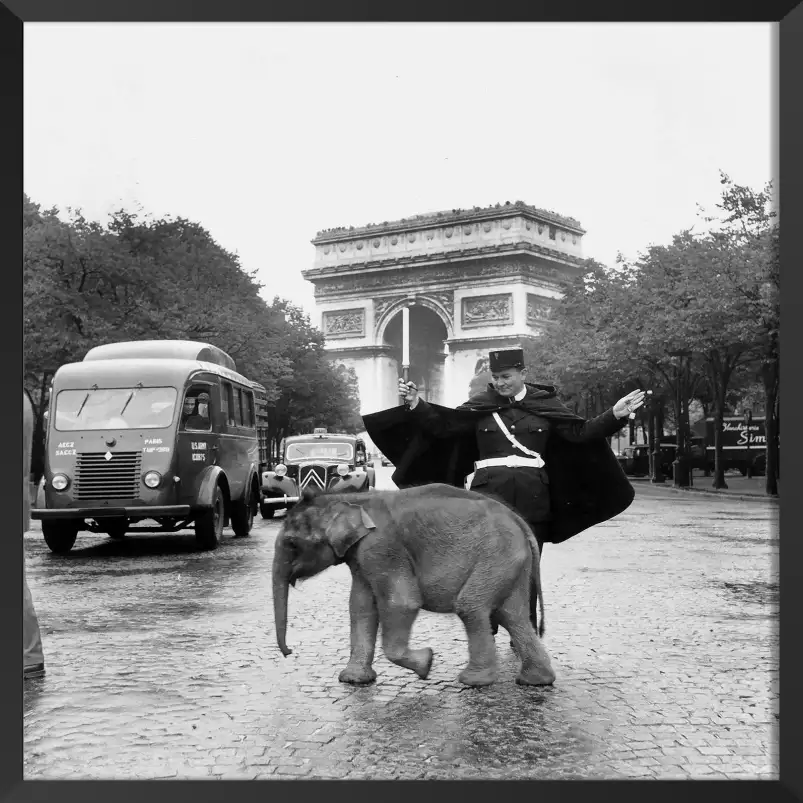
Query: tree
[(747, 230), (317, 393)]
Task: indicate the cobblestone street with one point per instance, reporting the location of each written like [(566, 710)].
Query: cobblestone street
[(162, 662)]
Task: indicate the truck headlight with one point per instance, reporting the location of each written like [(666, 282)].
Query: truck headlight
[(280, 470), (152, 479), (342, 469), (60, 481)]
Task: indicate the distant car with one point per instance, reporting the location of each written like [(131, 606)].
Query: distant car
[(323, 460), (635, 460)]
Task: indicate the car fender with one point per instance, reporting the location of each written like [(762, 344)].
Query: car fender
[(355, 482), (286, 486)]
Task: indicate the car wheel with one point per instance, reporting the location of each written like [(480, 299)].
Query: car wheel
[(267, 511), (209, 522), (116, 528), (59, 534), (242, 514)]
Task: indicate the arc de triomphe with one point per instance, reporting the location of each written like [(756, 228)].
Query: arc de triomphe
[(474, 281)]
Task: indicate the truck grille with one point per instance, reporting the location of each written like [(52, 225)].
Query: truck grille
[(99, 478), (313, 476)]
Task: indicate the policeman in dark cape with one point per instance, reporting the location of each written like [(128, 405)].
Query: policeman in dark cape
[(514, 441)]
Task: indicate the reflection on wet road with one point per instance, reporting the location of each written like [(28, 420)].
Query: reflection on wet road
[(161, 662)]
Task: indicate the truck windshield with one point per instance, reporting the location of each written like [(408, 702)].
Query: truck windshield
[(115, 408), (325, 450)]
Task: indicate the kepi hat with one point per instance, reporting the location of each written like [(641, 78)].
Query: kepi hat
[(502, 360)]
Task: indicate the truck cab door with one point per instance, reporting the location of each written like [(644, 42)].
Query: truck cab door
[(197, 438)]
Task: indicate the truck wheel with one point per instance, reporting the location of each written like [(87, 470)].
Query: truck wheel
[(60, 535), (267, 511), (242, 514), (209, 522), (116, 528)]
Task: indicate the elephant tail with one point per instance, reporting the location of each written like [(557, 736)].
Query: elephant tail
[(536, 592)]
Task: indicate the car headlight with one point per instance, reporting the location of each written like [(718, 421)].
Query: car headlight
[(152, 479), (280, 470), (60, 482), (342, 469)]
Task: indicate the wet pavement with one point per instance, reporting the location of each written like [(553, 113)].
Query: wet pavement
[(161, 662)]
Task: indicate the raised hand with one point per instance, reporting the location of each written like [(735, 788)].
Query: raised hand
[(628, 404)]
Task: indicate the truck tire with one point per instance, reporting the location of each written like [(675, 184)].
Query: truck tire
[(60, 534), (267, 511), (242, 513), (209, 522)]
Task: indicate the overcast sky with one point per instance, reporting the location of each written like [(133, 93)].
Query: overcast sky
[(267, 133)]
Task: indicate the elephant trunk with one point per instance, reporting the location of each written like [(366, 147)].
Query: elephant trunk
[(280, 590)]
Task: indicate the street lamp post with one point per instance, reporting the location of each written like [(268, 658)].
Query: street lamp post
[(680, 466), (748, 420)]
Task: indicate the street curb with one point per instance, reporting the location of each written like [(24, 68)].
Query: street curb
[(712, 492)]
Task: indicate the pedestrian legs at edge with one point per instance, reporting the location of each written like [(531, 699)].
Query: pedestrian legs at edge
[(33, 659), (32, 653)]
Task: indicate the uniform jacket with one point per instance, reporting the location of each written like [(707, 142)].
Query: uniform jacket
[(586, 484)]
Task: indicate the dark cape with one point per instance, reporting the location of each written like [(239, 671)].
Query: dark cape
[(586, 483)]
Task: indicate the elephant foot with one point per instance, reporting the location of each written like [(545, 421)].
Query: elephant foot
[(536, 676), (421, 662), (359, 675), (478, 677)]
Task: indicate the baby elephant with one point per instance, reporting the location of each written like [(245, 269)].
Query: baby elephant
[(434, 547)]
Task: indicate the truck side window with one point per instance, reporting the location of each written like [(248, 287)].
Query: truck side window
[(232, 405), (196, 413), (248, 409), (225, 401), (237, 408)]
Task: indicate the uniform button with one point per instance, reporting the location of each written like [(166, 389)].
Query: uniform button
[(513, 426)]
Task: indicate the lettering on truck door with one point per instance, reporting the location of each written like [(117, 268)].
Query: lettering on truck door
[(198, 436)]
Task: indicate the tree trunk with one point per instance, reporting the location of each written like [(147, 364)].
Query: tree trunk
[(769, 375), (655, 443), (719, 375)]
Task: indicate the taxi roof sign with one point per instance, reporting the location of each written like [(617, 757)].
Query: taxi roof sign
[(319, 431)]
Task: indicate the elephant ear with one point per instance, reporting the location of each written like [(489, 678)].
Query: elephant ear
[(349, 525)]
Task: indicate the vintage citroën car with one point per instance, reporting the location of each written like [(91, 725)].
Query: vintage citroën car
[(326, 461)]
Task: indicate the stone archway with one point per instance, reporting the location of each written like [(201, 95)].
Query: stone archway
[(475, 280), (428, 336)]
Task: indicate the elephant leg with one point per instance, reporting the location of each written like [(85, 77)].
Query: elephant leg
[(398, 611), (481, 669), (474, 609), (364, 624), (514, 614)]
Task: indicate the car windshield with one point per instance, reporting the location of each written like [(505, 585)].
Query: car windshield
[(319, 450), (115, 408)]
